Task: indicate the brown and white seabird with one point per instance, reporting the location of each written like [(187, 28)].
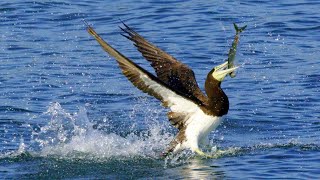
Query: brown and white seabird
[(192, 112)]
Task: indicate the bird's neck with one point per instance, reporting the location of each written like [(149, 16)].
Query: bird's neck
[(217, 100)]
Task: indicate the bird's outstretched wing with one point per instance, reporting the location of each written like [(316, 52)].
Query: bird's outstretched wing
[(169, 70), (181, 105)]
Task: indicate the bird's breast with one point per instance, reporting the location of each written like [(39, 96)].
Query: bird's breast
[(199, 126)]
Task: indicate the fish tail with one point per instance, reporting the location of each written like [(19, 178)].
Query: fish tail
[(239, 30)]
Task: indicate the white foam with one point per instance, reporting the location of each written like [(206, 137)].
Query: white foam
[(68, 135)]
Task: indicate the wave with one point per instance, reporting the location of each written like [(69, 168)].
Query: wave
[(13, 109)]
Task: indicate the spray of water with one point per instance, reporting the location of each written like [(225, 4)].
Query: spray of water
[(73, 136)]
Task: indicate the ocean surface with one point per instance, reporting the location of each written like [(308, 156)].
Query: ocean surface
[(67, 112)]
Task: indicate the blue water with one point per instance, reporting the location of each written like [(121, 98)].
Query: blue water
[(66, 110)]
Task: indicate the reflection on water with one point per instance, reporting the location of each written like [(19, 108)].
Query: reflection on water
[(199, 169)]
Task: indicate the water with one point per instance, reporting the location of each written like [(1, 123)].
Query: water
[(67, 112)]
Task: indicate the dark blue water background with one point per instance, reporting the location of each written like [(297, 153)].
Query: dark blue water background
[(66, 111)]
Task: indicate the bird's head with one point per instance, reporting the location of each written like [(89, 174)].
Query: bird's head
[(220, 72)]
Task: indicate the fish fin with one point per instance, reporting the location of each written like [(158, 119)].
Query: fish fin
[(239, 30)]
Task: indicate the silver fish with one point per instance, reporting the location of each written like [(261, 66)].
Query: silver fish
[(233, 49)]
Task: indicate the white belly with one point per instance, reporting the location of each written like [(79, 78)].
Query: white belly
[(199, 126)]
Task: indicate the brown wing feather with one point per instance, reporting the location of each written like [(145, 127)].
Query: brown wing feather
[(177, 119), (175, 74), (134, 73), (131, 70)]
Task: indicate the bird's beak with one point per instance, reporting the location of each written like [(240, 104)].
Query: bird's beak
[(220, 71), (221, 66)]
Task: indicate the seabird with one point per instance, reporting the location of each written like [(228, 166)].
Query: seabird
[(192, 112)]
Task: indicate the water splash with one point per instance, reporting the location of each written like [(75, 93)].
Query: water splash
[(73, 136), (12, 154)]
